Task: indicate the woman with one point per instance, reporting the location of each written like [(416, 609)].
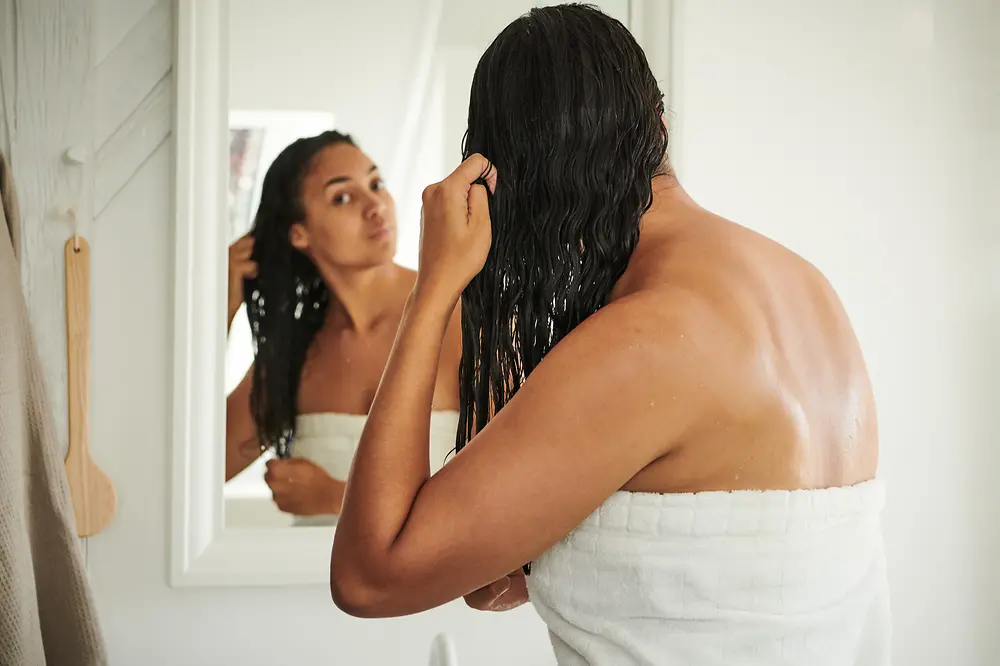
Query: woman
[(667, 415), (324, 299)]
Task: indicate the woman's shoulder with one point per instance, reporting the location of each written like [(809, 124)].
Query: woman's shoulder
[(665, 323)]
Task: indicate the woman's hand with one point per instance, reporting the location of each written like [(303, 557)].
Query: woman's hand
[(240, 268), (455, 231), (509, 592), (303, 488)]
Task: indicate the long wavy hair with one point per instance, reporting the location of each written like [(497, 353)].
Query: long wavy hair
[(565, 105), (287, 301)]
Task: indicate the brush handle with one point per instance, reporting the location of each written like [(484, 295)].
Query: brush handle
[(78, 346), (90, 489)]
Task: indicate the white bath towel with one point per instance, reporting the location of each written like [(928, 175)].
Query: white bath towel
[(721, 579)]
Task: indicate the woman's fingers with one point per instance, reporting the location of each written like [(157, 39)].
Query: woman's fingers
[(485, 597), (501, 595), (247, 268), (479, 207), (241, 249), (472, 169)]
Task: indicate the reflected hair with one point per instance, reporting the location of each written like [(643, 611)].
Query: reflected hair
[(565, 105), (287, 301)]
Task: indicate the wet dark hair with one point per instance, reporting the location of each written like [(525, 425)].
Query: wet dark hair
[(288, 300), (565, 105)]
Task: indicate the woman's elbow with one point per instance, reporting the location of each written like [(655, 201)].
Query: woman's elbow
[(357, 595), (353, 605), (352, 596)]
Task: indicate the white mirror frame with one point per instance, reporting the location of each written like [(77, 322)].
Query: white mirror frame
[(203, 551)]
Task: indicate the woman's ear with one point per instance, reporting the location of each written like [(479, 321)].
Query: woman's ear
[(298, 236)]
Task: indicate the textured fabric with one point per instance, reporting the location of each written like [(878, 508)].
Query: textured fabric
[(717, 578), (47, 615), (8, 207)]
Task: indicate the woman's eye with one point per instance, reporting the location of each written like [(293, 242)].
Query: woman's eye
[(342, 199), (378, 185)]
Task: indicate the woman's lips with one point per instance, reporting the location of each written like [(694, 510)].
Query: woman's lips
[(382, 232)]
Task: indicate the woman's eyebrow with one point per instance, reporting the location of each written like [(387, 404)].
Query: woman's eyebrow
[(344, 179)]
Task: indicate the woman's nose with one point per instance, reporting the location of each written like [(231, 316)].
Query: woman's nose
[(374, 206)]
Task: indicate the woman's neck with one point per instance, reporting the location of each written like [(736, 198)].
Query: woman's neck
[(671, 208), (362, 298)]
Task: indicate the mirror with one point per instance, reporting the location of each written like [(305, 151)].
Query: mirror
[(270, 92), (402, 96)]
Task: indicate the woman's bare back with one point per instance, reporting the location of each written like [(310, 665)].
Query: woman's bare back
[(784, 398)]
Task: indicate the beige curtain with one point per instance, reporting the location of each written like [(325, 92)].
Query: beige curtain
[(47, 614)]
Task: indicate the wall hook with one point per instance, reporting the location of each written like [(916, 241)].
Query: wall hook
[(70, 212), (75, 155)]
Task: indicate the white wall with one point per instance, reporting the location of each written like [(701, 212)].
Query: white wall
[(347, 58), (864, 135)]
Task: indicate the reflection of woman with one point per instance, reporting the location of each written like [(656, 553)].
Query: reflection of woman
[(324, 299), (675, 423)]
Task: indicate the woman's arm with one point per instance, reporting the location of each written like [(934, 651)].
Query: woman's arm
[(593, 414), (242, 447), (298, 486), (509, 591), (446, 390)]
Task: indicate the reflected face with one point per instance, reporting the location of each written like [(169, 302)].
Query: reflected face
[(350, 217)]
